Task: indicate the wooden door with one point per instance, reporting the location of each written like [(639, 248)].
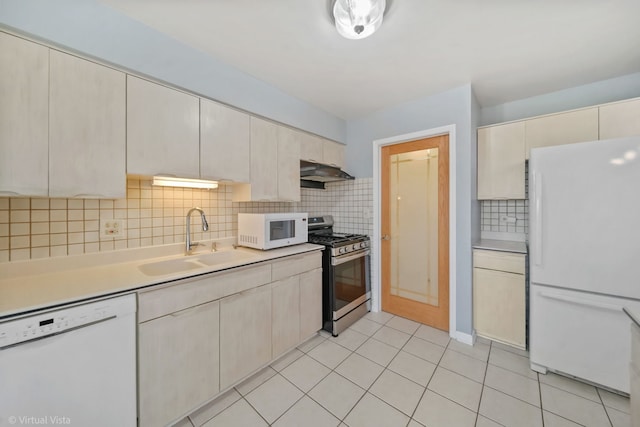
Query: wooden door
[(415, 230)]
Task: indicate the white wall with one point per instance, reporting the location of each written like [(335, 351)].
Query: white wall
[(447, 108), (609, 90), (94, 29)]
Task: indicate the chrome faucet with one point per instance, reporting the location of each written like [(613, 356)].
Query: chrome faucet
[(205, 227)]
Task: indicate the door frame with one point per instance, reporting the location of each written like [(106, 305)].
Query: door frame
[(376, 264)]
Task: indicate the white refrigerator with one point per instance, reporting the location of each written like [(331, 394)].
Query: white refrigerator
[(584, 242)]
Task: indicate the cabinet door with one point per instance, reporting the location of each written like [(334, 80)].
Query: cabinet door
[(245, 334), (311, 148), (163, 131), (225, 142), (499, 306), (559, 129), (634, 371), (178, 363), (333, 154), (285, 315), (501, 162), (24, 117), (288, 164), (310, 303), (620, 119), (264, 164), (87, 143)]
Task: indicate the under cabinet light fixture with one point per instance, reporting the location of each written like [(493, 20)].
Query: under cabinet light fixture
[(167, 181)]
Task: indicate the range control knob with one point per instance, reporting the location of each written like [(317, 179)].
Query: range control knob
[(363, 245), (342, 250)]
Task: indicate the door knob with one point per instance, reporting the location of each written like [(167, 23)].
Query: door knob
[(386, 237)]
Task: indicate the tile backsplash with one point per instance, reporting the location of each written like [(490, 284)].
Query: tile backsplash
[(493, 210), (33, 228)]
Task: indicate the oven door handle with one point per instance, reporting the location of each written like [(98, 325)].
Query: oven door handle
[(343, 259)]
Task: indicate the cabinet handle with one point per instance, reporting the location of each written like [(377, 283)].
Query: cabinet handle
[(580, 301), (537, 205), (386, 237)]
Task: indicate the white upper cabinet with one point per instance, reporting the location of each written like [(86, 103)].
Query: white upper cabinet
[(333, 154), (288, 164), (163, 130), (620, 119), (24, 117), (501, 162), (564, 128), (225, 142), (264, 162), (311, 148), (87, 129), (275, 164)]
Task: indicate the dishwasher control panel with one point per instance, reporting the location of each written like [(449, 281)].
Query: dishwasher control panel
[(60, 320)]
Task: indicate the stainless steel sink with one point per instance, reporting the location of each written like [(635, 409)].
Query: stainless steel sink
[(161, 268), (222, 257)]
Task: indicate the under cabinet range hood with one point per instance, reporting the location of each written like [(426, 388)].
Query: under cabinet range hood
[(315, 175)]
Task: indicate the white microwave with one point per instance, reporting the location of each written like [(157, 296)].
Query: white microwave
[(273, 230)]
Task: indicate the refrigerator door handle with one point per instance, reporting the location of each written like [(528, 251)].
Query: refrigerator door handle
[(580, 301), (537, 205)]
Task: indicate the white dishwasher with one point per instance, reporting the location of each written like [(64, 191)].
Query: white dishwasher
[(72, 365)]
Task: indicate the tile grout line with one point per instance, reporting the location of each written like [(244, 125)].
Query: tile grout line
[(484, 379)]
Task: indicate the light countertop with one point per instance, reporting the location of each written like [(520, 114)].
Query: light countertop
[(501, 245), (36, 284)]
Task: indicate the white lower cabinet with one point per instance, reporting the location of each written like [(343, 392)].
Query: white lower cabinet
[(310, 303), (199, 336), (499, 300), (178, 363), (285, 326), (245, 334)]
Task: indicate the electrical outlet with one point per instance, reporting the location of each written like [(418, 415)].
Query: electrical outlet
[(508, 219), (112, 228)]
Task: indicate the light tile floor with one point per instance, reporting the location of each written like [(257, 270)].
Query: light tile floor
[(388, 371)]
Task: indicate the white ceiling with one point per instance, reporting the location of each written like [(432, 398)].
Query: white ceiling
[(507, 49)]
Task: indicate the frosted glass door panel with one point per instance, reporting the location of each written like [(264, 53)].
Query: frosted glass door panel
[(413, 191)]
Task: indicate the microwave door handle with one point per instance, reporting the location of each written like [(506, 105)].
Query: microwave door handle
[(342, 260)]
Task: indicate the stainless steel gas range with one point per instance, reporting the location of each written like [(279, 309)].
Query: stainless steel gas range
[(346, 294)]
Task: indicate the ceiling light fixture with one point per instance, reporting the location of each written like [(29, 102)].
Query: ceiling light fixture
[(166, 181), (357, 19)]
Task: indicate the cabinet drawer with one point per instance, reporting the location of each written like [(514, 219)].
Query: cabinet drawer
[(191, 292), (502, 261), (292, 266)]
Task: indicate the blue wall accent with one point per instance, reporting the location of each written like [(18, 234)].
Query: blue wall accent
[(447, 108), (96, 30), (601, 92)]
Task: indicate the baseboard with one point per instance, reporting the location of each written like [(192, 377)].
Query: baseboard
[(468, 339)]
